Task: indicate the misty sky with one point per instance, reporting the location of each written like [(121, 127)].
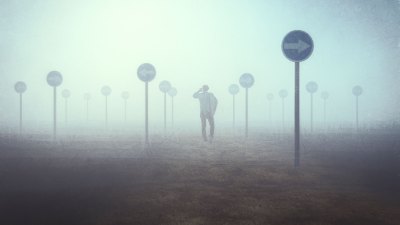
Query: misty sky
[(191, 43)]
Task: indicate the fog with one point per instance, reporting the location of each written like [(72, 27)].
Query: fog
[(191, 43)]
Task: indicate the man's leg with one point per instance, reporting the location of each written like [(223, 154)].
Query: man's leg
[(203, 127), (211, 122)]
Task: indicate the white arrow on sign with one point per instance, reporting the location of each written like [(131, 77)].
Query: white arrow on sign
[(300, 46)]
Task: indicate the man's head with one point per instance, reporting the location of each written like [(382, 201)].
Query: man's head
[(205, 87)]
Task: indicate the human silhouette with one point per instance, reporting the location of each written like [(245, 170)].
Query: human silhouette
[(208, 105)]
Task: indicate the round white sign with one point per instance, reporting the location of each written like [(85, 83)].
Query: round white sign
[(233, 89), (357, 90), (324, 95), (246, 80), (125, 95), (172, 92), (270, 96), (20, 87), (312, 87), (66, 93), (106, 90), (164, 86), (54, 78), (146, 72), (283, 93), (86, 96)]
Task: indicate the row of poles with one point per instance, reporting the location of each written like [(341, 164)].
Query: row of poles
[(247, 80), (146, 73)]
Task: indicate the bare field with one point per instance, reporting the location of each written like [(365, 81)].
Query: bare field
[(344, 179)]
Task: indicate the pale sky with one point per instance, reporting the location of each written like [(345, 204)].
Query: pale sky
[(191, 43)]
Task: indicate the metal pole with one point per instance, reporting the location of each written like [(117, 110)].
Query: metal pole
[(125, 109), (283, 114), (55, 113), (233, 110), (311, 115), (357, 113), (172, 113), (106, 112), (297, 115), (146, 113), (247, 112), (270, 112), (325, 113), (165, 113), (87, 110), (66, 110), (20, 113)]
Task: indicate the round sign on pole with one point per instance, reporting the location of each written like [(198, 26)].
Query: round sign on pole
[(86, 96), (20, 87), (106, 90), (297, 46), (54, 78), (357, 90), (324, 95), (125, 95), (172, 92), (283, 93), (270, 96), (312, 87), (246, 80), (66, 93), (233, 89), (146, 72), (164, 86)]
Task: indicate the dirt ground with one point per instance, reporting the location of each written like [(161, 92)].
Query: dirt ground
[(344, 179)]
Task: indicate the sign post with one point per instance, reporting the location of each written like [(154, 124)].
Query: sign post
[(146, 73), (283, 94), (20, 88), (357, 91), (246, 81), (297, 46), (311, 87), (125, 96), (54, 79), (106, 91), (87, 98), (324, 96), (233, 90), (270, 97), (172, 92), (165, 86), (66, 94)]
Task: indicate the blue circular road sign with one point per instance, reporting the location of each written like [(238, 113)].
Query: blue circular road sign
[(297, 46)]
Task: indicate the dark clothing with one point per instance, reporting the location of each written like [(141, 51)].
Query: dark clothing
[(210, 118)]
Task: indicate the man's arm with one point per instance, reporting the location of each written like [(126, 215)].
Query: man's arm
[(197, 93)]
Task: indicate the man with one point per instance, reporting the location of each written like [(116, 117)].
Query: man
[(208, 105)]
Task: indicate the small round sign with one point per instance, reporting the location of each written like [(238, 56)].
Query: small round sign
[(246, 80), (270, 97), (66, 93), (106, 90), (172, 92), (357, 90), (283, 93), (324, 95), (20, 87), (164, 86), (146, 72), (86, 96), (125, 95), (312, 87), (297, 46), (54, 78), (233, 89)]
